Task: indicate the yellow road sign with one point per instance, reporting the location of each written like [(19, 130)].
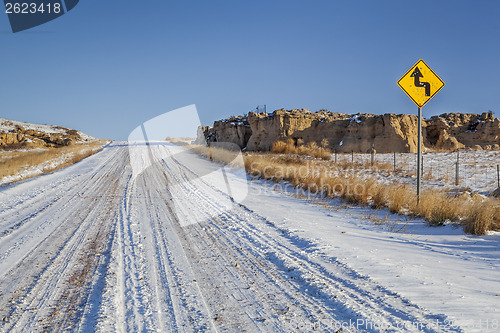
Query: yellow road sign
[(420, 83)]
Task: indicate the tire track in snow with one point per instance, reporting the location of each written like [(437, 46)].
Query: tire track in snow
[(269, 291), (28, 202), (360, 299), (150, 285), (117, 254), (47, 299)]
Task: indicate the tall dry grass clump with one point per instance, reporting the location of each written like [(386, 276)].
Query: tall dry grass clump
[(282, 147), (380, 198), (399, 198), (311, 149), (438, 207), (483, 216)]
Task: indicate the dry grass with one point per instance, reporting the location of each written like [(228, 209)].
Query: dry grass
[(483, 216), (280, 147), (437, 207), (220, 153), (477, 214), (15, 162), (183, 141), (399, 197), (311, 149)]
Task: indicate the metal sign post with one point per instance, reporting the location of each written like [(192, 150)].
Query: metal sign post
[(420, 83), (419, 154)]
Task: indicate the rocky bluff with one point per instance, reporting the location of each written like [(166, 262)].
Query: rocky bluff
[(15, 134), (359, 133)]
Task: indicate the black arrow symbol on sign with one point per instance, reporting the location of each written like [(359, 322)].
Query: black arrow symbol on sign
[(417, 75)]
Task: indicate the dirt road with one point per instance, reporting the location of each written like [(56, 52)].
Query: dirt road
[(94, 247)]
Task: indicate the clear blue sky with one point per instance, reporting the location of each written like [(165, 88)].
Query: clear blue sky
[(109, 65)]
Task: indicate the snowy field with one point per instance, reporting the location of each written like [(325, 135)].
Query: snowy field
[(440, 269), (97, 246), (477, 171)]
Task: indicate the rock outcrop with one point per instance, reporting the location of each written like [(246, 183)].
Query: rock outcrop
[(20, 134), (359, 133)]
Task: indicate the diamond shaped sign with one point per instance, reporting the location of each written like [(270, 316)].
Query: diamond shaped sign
[(420, 83)]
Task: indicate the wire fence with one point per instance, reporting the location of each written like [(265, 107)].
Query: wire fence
[(477, 171)]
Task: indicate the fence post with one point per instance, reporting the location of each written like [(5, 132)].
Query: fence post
[(498, 175), (352, 157), (394, 161), (457, 180), (373, 155), (335, 150), (422, 167)]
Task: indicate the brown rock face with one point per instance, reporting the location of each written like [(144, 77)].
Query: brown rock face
[(18, 135), (8, 138), (358, 133), (235, 130), (386, 133), (298, 125)]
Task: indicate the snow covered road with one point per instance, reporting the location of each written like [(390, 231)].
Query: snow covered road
[(95, 247)]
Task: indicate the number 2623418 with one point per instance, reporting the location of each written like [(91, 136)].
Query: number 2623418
[(32, 8)]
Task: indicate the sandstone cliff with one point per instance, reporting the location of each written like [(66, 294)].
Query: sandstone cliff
[(358, 133), (21, 134)]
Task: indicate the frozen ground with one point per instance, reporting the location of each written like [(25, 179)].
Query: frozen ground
[(441, 269), (96, 247)]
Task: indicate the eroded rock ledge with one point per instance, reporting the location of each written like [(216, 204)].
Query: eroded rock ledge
[(359, 133), (20, 134)]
